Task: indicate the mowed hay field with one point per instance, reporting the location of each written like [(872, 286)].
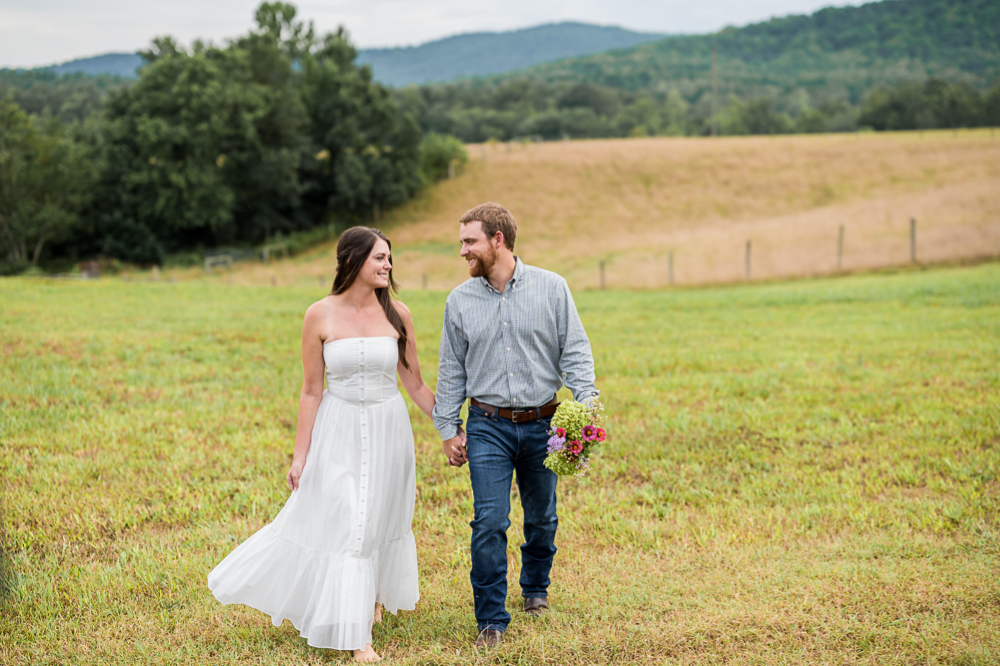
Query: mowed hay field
[(631, 202), (803, 472)]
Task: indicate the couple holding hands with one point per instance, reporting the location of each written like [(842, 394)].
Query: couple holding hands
[(341, 549)]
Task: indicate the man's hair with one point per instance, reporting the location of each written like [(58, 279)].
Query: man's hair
[(494, 218)]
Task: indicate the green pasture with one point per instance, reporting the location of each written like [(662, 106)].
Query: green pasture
[(795, 472)]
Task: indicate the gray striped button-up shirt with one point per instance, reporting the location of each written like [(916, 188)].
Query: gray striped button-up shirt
[(514, 349)]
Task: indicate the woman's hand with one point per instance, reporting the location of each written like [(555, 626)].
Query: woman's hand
[(294, 474), (455, 449)]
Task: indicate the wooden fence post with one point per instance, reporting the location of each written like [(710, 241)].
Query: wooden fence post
[(913, 240), (602, 274), (840, 249), (747, 267), (671, 265), (423, 281)]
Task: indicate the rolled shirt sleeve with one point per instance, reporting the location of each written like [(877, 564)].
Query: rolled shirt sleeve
[(450, 394)]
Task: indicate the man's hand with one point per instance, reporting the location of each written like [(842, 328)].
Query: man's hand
[(455, 450)]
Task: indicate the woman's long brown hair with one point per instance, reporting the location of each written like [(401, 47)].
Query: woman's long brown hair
[(353, 249)]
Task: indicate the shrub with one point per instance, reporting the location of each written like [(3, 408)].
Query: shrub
[(437, 151)]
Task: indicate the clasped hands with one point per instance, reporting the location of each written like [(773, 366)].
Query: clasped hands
[(455, 449)]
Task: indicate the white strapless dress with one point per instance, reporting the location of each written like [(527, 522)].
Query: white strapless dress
[(343, 540)]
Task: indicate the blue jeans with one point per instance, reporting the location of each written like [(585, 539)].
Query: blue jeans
[(497, 448)]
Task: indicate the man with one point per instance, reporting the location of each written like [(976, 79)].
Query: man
[(511, 338)]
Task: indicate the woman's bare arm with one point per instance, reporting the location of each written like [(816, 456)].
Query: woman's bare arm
[(414, 384), (312, 390)]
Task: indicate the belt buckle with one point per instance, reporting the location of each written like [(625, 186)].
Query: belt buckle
[(516, 413)]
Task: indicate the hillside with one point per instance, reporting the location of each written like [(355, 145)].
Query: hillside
[(848, 50), (834, 53), (485, 53), (631, 203), (124, 65), (469, 54)]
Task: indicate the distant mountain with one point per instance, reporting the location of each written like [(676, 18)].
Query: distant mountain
[(114, 64), (848, 49), (471, 54), (485, 53)]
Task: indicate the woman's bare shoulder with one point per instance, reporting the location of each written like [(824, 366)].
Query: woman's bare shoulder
[(320, 310)]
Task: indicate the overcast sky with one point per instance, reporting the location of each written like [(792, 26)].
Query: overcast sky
[(42, 32)]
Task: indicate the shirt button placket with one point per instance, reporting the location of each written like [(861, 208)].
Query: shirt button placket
[(506, 337)]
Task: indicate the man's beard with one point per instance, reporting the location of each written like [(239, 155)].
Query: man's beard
[(484, 265)]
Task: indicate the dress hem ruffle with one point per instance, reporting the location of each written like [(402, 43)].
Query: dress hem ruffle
[(327, 597)]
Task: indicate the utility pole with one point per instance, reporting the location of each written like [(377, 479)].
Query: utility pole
[(715, 90)]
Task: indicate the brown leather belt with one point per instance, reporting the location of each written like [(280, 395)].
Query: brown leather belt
[(518, 415)]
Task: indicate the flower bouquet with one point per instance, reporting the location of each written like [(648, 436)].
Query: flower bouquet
[(575, 435)]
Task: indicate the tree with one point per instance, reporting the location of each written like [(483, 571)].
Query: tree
[(203, 149), (437, 153), (991, 106), (810, 121), (364, 153), (276, 132), (675, 114), (45, 181)]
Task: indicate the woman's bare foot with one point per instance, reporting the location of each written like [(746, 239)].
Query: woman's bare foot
[(378, 612), (368, 655)]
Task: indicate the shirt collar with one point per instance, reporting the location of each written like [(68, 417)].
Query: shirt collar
[(518, 271), (518, 275)]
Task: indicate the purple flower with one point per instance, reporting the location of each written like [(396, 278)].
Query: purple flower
[(556, 443)]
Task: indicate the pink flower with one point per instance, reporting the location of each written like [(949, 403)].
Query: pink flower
[(560, 432), (575, 447), (600, 435), (588, 433)]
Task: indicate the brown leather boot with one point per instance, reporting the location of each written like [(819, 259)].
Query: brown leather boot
[(489, 638), (535, 605)]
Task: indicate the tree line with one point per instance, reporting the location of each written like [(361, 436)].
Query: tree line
[(274, 133), (482, 110)]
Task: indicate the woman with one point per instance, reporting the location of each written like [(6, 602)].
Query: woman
[(341, 549)]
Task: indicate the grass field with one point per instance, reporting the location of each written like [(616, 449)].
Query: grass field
[(796, 472), (631, 202)]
